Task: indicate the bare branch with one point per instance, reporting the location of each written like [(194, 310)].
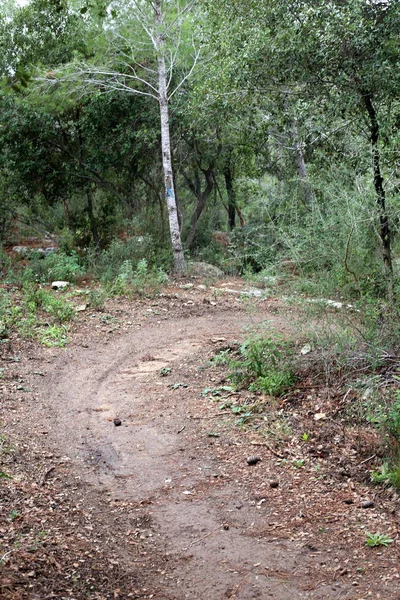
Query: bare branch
[(188, 74), (187, 8)]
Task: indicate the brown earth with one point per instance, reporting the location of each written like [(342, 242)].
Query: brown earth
[(164, 505)]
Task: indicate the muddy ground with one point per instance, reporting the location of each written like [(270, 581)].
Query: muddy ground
[(129, 480)]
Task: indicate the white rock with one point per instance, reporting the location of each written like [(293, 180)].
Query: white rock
[(59, 285), (187, 286), (306, 349)]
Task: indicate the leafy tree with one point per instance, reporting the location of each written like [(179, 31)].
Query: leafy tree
[(341, 54), (138, 50)]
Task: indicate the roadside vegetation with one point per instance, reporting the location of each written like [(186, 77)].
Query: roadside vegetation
[(272, 155), (297, 196)]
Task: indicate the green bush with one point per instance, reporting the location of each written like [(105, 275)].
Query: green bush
[(39, 298), (264, 365), (142, 280), (107, 265), (57, 266), (387, 474)]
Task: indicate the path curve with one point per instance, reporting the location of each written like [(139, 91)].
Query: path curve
[(161, 463)]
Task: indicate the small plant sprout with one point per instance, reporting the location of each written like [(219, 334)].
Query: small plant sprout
[(165, 371), (305, 437), (377, 539)]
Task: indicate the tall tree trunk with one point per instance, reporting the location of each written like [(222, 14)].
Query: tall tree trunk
[(384, 231), (202, 197), (179, 258), (231, 196), (92, 219)]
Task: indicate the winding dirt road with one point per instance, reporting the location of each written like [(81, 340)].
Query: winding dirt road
[(185, 494)]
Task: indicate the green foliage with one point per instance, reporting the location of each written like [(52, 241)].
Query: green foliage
[(24, 314), (58, 307), (58, 266), (387, 474), (165, 371), (275, 383), (263, 365), (223, 357), (54, 336), (121, 284), (107, 265), (385, 416), (375, 540), (97, 297), (142, 280)]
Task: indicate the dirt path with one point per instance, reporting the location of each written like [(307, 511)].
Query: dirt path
[(192, 517)]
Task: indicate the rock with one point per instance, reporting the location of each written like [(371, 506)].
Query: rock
[(320, 416), (202, 269), (253, 293), (80, 308), (22, 250), (43, 252), (27, 252), (117, 422), (274, 484), (186, 286), (306, 349), (367, 504), (253, 460), (59, 285), (270, 279)]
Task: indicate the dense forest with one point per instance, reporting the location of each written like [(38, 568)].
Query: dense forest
[(258, 136)]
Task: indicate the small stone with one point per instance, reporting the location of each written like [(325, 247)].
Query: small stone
[(306, 349), (320, 416), (274, 484), (59, 285), (226, 527), (187, 286), (253, 460), (117, 422), (367, 504)]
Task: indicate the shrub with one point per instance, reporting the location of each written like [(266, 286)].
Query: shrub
[(264, 365), (60, 266)]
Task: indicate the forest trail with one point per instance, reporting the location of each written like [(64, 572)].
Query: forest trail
[(188, 515)]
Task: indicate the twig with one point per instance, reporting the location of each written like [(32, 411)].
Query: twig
[(240, 584), (274, 452), (47, 474), (199, 540), (4, 557), (367, 460), (181, 429)]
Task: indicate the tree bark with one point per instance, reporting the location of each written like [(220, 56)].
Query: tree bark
[(179, 258), (202, 197), (92, 218), (231, 196), (384, 231)]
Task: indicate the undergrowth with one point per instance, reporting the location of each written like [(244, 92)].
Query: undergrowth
[(261, 364)]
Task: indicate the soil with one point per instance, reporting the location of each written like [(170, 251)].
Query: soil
[(131, 480)]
